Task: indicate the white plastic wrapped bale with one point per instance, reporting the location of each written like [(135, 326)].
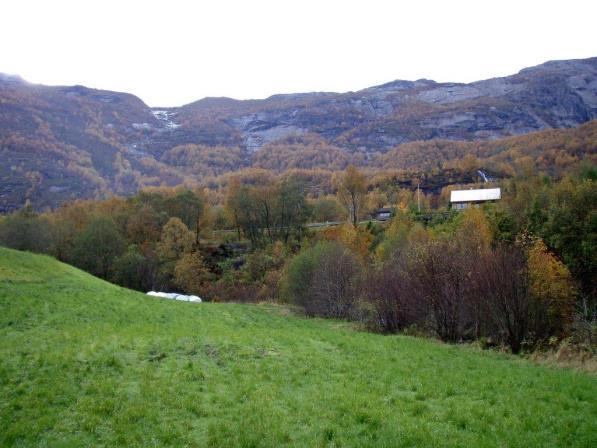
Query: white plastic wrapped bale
[(174, 296)]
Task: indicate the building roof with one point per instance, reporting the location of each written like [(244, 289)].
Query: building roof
[(485, 194), (386, 209)]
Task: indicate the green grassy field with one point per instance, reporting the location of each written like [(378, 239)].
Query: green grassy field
[(86, 363)]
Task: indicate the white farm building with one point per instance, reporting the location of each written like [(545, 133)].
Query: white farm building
[(460, 199)]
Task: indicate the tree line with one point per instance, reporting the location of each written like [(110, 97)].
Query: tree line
[(515, 273), (456, 285)]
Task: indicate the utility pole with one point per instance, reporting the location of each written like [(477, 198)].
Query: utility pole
[(418, 198)]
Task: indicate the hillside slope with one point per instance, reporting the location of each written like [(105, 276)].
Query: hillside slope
[(88, 363), (551, 95), (60, 143)]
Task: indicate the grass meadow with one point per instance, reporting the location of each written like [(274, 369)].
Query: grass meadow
[(87, 363)]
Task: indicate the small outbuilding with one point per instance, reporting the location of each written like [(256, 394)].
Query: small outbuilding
[(461, 199), (384, 213)]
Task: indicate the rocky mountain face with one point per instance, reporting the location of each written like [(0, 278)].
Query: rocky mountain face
[(60, 143), (552, 95)]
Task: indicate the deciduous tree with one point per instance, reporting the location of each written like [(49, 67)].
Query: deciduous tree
[(190, 273), (352, 191), (96, 248)]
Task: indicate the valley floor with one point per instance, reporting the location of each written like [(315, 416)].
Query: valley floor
[(87, 363)]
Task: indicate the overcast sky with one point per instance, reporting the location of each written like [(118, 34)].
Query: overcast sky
[(173, 52)]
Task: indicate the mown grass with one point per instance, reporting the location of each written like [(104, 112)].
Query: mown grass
[(86, 363)]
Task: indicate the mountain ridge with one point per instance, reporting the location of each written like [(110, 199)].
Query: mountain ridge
[(550, 63)]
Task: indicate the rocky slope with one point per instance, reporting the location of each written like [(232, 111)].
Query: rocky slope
[(553, 95), (59, 143)]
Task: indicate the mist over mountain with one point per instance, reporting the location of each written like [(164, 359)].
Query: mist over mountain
[(61, 143)]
